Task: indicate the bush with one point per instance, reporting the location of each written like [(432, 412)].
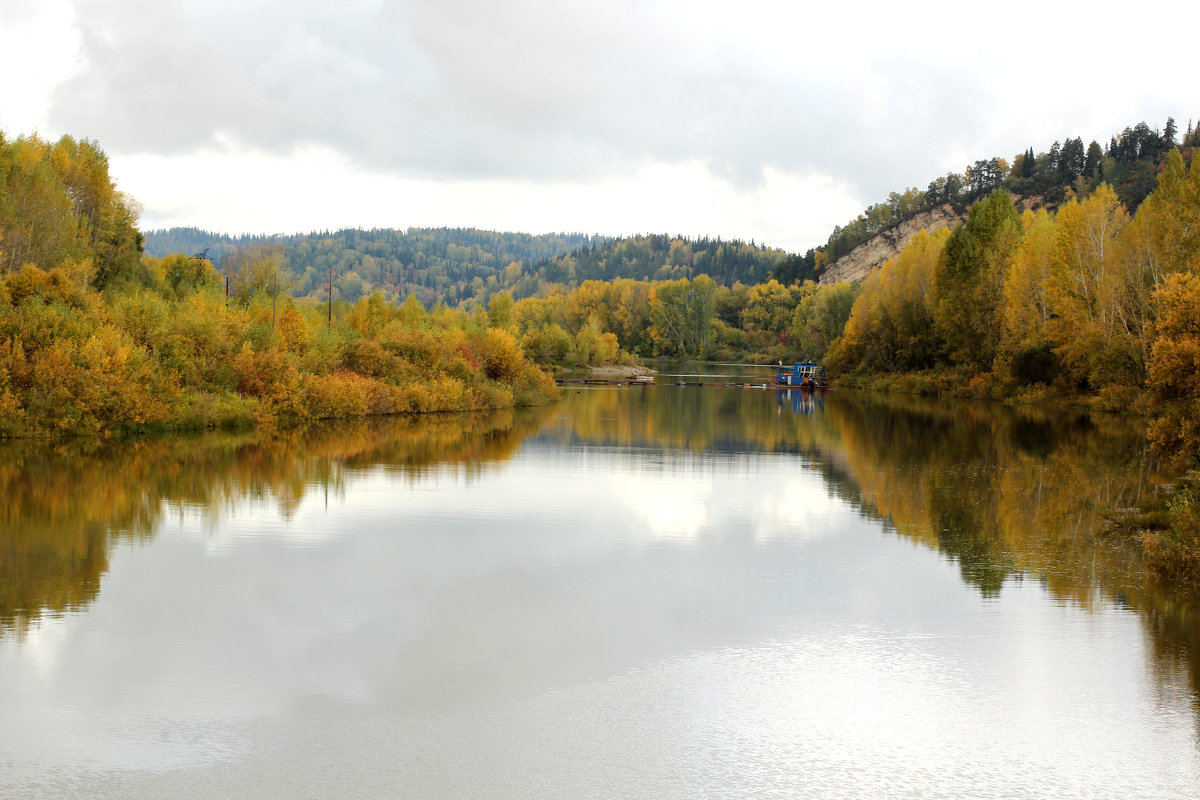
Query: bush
[(1038, 364)]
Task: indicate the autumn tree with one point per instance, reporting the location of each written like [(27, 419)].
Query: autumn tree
[(1085, 290), (177, 275), (1026, 299), (1169, 219), (38, 220), (1175, 368), (891, 325), (500, 311), (769, 310), (631, 317)]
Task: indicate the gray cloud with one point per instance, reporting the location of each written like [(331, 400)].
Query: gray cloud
[(518, 89)]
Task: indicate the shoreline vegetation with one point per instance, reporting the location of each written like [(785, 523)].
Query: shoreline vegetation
[(96, 339)]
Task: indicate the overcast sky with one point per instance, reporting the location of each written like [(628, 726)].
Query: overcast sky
[(756, 119)]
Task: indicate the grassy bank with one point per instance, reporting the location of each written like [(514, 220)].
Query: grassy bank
[(951, 382)]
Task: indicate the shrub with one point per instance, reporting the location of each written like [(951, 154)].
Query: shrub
[(1037, 364)]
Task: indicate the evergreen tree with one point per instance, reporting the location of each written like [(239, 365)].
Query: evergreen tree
[(1093, 160), (1071, 160), (1052, 163), (1028, 164)]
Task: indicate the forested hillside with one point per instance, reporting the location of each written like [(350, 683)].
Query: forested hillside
[(466, 265), (446, 264), (459, 266), (661, 258), (1129, 163)]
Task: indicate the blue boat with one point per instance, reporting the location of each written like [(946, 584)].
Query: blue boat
[(802, 375)]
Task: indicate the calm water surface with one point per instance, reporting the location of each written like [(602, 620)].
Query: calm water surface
[(661, 592)]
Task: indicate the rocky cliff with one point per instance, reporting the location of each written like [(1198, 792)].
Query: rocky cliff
[(855, 266)]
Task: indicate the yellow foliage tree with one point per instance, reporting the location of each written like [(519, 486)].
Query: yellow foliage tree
[(1026, 299), (1085, 286), (1175, 367), (891, 325)]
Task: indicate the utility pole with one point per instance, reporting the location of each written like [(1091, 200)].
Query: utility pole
[(331, 296)]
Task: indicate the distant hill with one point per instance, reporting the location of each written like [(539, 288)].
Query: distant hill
[(446, 264), (661, 257), (462, 265)]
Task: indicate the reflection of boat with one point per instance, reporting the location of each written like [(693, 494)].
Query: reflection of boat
[(804, 401), (802, 375)]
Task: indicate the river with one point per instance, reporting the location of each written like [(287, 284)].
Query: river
[(674, 592)]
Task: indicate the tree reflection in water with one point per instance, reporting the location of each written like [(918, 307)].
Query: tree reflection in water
[(1008, 495), (65, 506)]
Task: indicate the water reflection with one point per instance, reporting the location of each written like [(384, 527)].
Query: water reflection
[(64, 507), (635, 577), (1007, 494)]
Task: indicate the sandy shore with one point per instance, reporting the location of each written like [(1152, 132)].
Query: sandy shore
[(614, 372)]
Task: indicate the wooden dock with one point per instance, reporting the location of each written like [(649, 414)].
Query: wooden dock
[(705, 384)]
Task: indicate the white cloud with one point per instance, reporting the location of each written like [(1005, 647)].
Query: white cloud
[(317, 188)]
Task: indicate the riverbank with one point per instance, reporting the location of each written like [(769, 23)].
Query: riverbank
[(76, 362)]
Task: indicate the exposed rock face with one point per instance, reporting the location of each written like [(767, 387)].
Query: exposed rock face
[(855, 266)]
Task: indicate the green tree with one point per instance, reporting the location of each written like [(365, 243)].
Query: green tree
[(821, 316), (681, 314), (970, 279), (1092, 161), (769, 309)]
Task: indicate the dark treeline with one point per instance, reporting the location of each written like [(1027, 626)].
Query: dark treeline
[(1129, 163), (659, 257)]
